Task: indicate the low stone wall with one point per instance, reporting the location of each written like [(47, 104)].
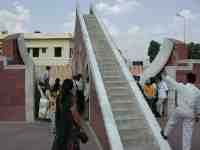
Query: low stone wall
[(12, 93), (96, 119)]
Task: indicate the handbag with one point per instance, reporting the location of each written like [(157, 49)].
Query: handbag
[(80, 133), (83, 137)]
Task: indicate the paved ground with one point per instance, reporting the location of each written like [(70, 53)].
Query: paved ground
[(175, 139), (18, 136), (35, 136)]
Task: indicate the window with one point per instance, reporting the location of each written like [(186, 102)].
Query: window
[(36, 52), (70, 52), (58, 52), (44, 50)]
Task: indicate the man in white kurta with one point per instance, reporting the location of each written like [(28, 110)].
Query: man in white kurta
[(162, 96), (187, 110)]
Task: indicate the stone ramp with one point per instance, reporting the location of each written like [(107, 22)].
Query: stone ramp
[(133, 128), (37, 136)]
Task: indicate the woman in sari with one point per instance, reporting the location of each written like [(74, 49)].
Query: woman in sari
[(66, 116)]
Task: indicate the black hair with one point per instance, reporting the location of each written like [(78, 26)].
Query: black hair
[(87, 79), (159, 77), (56, 86), (79, 76), (191, 77), (48, 67), (67, 85), (74, 77)]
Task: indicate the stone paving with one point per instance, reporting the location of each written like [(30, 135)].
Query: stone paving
[(175, 138), (21, 136)]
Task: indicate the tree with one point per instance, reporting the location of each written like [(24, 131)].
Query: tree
[(153, 50), (194, 50)]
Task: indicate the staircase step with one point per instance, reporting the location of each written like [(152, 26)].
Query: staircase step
[(119, 94), (124, 112), (132, 123), (137, 137), (111, 72), (134, 145), (109, 67), (133, 133), (129, 117), (129, 105), (115, 83), (111, 78)]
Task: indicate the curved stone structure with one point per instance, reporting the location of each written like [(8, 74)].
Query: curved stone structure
[(159, 62)]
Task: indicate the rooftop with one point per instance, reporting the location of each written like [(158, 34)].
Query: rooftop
[(32, 36)]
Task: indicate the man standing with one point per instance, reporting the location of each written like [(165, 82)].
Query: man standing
[(187, 110), (44, 80), (162, 96)]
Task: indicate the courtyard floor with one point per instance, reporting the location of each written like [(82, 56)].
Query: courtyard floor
[(37, 136)]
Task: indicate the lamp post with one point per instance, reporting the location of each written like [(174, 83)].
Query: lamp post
[(184, 21)]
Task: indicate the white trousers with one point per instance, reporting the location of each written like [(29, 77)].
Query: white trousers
[(160, 105), (52, 116), (188, 122)]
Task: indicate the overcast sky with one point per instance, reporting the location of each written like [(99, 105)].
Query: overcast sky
[(132, 23)]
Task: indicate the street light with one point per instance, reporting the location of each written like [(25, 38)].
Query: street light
[(184, 20)]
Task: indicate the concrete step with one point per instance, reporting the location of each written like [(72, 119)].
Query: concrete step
[(109, 65), (132, 123), (122, 104), (107, 59), (111, 78), (133, 133), (139, 138), (122, 111), (104, 54), (131, 116), (119, 94), (119, 83), (117, 89), (138, 146), (111, 72)]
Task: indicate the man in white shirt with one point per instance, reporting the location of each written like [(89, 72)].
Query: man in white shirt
[(187, 110), (44, 80), (162, 95)]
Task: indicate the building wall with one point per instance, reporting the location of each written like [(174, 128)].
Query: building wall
[(12, 94), (57, 71), (96, 119), (48, 58)]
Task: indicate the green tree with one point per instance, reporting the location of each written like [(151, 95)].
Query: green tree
[(153, 50), (194, 50)]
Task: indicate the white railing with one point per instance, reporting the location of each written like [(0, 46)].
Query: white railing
[(29, 79), (153, 124), (110, 125)]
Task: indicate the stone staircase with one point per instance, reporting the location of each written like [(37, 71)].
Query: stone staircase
[(133, 128)]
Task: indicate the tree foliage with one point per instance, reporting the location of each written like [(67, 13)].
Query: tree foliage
[(194, 50), (153, 50)]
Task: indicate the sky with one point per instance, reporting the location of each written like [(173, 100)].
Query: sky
[(132, 23)]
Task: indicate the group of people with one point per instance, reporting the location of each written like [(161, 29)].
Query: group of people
[(156, 93), (187, 110), (66, 106)]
